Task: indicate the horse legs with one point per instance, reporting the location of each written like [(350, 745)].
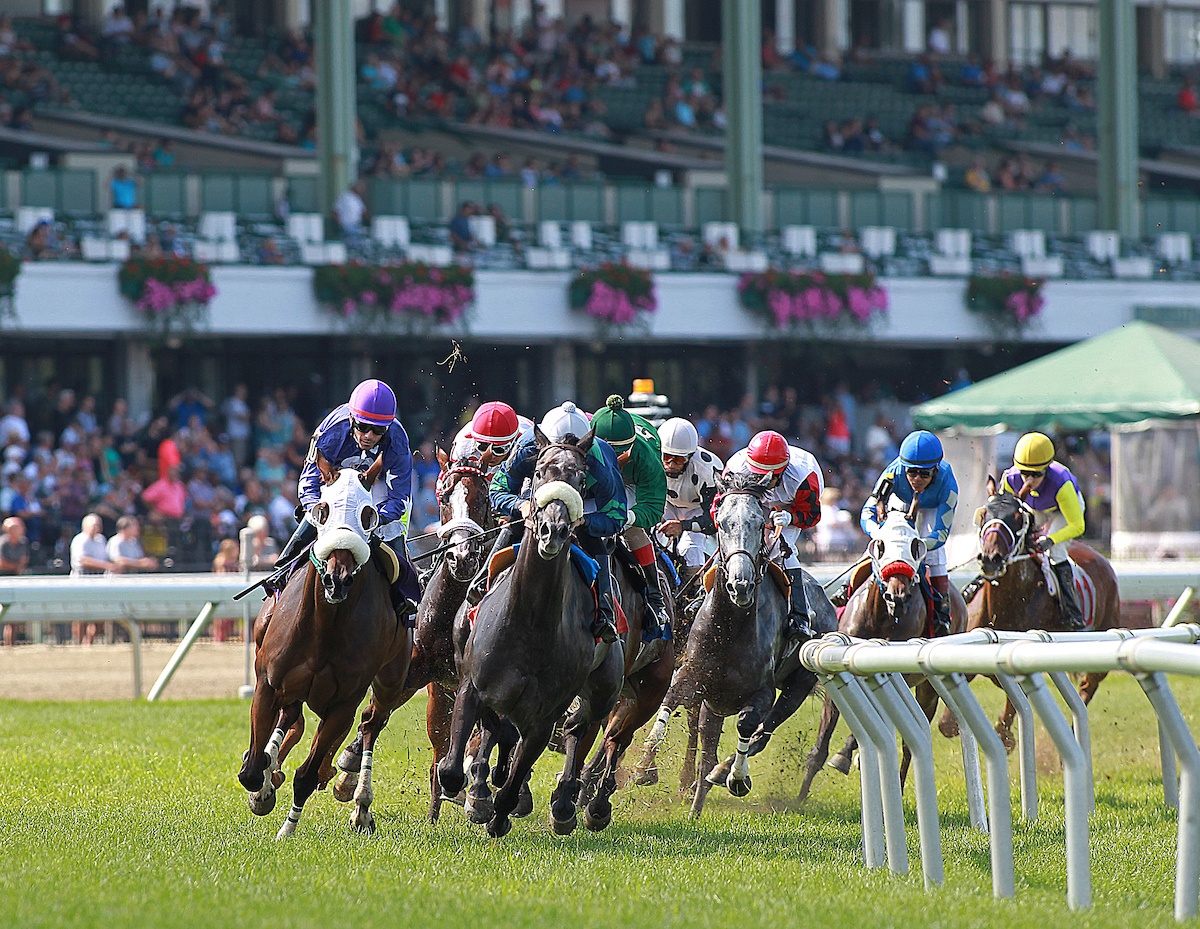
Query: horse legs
[(438, 712), (1004, 726), (529, 749), (927, 699), (478, 804), (820, 750), (388, 693), (330, 733), (1089, 683), (466, 709), (566, 794), (711, 724), (795, 690)]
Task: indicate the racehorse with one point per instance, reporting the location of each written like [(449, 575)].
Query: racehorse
[(737, 652), (888, 605), (320, 642), (466, 514), (530, 651), (1015, 596), (645, 686)]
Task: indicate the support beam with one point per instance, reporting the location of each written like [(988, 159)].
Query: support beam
[(741, 29), (785, 26), (336, 100), (1118, 119), (673, 19)]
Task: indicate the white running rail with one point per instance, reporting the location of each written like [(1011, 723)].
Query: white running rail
[(865, 680)]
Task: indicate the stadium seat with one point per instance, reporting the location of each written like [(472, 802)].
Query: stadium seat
[(548, 259), (483, 228), (306, 227), (391, 231), (131, 222), (549, 234), (949, 265), (751, 260), (320, 253), (800, 241), (30, 216), (1041, 266), (98, 248), (1138, 267), (717, 234), (650, 259), (440, 255), (842, 263), (1174, 247), (581, 235), (1028, 243), (1103, 246), (224, 251), (639, 235), (878, 241), (953, 243), (218, 227)]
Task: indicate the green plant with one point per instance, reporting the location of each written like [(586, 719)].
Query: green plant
[(371, 294), (791, 298), (1009, 301), (10, 267), (172, 294), (613, 293)]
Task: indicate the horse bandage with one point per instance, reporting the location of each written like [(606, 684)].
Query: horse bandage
[(560, 490)]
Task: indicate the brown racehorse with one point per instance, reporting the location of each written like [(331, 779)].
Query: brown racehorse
[(888, 605), (466, 513), (1015, 597), (321, 642)]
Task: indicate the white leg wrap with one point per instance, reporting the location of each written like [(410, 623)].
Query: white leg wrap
[(741, 764), (289, 824), (273, 746), (364, 794), (659, 732)]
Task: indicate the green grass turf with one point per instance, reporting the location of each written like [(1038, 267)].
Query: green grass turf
[(123, 814)]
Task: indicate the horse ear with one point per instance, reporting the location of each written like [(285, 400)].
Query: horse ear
[(540, 438), (980, 512), (319, 513), (369, 517), (585, 444), (764, 481), (442, 457), (991, 486), (875, 549), (1023, 492), (328, 474), (911, 514), (722, 483), (918, 550)]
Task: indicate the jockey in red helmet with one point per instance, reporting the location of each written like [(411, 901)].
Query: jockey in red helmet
[(357, 435), (794, 499), (491, 435)]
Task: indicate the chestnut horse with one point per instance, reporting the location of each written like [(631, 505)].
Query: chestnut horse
[(320, 642), (466, 514), (1014, 595), (888, 605)]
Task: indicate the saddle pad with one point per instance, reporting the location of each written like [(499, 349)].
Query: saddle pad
[(1084, 589), (583, 562), (774, 571), (387, 561)]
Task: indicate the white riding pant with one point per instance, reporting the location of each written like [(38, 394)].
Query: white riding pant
[(1058, 551), (935, 561), (635, 536), (791, 535), (690, 544)]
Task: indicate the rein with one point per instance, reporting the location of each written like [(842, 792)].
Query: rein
[(1016, 541), (759, 561)]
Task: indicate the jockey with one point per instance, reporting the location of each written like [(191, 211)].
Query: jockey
[(921, 470), (1056, 498), (639, 453), (356, 435), (491, 435), (691, 487), (605, 513), (794, 499)]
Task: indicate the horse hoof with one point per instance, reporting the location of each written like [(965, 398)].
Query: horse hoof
[(739, 788), (720, 774), (597, 822), (645, 777), (344, 786), (1010, 743), (349, 761), (479, 810), (277, 778), (452, 782), (261, 804), (564, 826), (362, 821), (524, 802), (499, 828), (840, 763)]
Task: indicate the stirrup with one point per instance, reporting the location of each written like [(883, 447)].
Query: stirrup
[(605, 630)]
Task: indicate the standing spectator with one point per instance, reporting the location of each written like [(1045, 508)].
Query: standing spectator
[(13, 427), (123, 189), (350, 209), (227, 561), (167, 497), (89, 556), (977, 178), (237, 422), (939, 38), (461, 236), (14, 559), (125, 550), (1051, 180), (1186, 101), (264, 549)]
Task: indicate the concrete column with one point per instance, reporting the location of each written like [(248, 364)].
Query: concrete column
[(829, 27), (520, 11), (1154, 42), (741, 27), (1118, 119), (140, 379), (555, 9), (621, 11), (441, 9), (336, 103), (785, 26), (297, 13), (481, 17), (563, 378), (995, 44), (673, 19)]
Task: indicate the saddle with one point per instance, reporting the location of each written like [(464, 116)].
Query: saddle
[(774, 571), (1084, 589)]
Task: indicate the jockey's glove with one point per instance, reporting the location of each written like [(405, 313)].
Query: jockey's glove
[(781, 518), (1044, 544), (630, 519)]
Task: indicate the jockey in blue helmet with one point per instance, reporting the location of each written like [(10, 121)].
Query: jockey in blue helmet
[(920, 470), (357, 435)]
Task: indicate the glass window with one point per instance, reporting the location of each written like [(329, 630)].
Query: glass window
[(1026, 33), (1073, 28), (1182, 36)]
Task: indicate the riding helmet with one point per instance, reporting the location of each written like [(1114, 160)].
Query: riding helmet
[(613, 424), (496, 422), (562, 421), (768, 453), (1034, 451), (373, 401), (920, 449), (678, 437)]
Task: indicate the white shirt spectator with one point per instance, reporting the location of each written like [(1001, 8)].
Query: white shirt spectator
[(83, 546), (939, 40), (13, 428), (350, 210)]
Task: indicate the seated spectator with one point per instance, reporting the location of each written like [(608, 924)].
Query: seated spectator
[(164, 155), (1051, 180), (977, 177), (654, 118), (684, 114), (1186, 100), (123, 189), (834, 140), (269, 252), (923, 76), (498, 167), (875, 140), (42, 244), (993, 112), (939, 38), (1008, 176), (1016, 101), (125, 551), (1075, 141), (69, 45), (972, 74), (504, 228), (827, 68), (461, 236), (351, 210), (853, 140), (264, 549), (227, 561)]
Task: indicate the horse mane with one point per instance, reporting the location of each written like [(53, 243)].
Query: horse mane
[(744, 482)]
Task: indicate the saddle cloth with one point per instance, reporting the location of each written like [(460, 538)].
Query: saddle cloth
[(1084, 589), (774, 571)]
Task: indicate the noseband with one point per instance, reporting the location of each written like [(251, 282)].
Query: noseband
[(1014, 540), (444, 485), (759, 561)]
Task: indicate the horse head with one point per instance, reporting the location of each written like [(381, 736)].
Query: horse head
[(741, 545), (345, 517), (466, 512), (557, 495), (1004, 523), (897, 552)]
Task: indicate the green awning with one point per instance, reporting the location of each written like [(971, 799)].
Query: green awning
[(1134, 373)]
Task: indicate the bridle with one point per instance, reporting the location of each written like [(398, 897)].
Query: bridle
[(1015, 540), (758, 560), (535, 511)]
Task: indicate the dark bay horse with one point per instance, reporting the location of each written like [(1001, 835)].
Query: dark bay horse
[(466, 513), (321, 642), (530, 653), (1014, 595), (887, 605), (737, 651)]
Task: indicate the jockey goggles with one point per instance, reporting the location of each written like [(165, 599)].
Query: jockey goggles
[(496, 448), (1039, 473), (919, 472), (367, 427)]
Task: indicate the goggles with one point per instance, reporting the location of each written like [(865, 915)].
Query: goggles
[(1039, 473), (919, 472), (367, 427)]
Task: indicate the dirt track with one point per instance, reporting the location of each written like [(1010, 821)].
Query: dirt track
[(105, 672)]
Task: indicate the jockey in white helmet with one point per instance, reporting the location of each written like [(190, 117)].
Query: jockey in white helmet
[(691, 486)]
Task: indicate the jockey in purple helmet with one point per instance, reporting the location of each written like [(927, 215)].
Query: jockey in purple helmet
[(356, 435)]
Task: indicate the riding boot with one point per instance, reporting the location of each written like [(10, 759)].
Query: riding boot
[(655, 624), (797, 618), (841, 596), (1068, 599), (604, 627), (305, 533), (478, 585), (973, 587), (405, 590), (941, 604)]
